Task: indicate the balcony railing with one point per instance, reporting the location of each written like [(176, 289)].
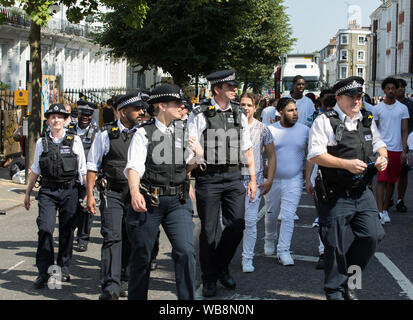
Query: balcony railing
[(18, 17)]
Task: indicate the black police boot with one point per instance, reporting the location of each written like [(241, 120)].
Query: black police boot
[(41, 281), (320, 262), (123, 289), (82, 247), (209, 289), (401, 207), (350, 294), (154, 265), (108, 295), (226, 280)]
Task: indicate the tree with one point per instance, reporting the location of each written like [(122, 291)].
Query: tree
[(264, 36), (40, 11), (182, 37)]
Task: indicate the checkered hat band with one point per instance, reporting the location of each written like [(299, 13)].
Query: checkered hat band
[(229, 78), (131, 100), (176, 95), (353, 85)]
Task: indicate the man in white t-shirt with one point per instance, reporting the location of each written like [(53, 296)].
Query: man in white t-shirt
[(290, 141), (305, 106), (391, 117)]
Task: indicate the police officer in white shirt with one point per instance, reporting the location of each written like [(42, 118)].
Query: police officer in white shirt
[(108, 156), (347, 147), (219, 184), (60, 161), (159, 186)]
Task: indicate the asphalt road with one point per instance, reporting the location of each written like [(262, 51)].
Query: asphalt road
[(389, 275)]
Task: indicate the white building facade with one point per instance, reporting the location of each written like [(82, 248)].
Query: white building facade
[(390, 46)]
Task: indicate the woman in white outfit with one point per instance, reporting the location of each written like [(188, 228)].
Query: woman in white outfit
[(290, 141), (261, 140)]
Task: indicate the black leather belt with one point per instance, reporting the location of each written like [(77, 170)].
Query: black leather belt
[(55, 186), (167, 190), (225, 168)]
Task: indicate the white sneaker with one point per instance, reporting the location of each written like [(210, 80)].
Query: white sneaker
[(269, 248), (381, 216), (315, 223), (285, 259), (247, 265), (296, 218), (386, 216)]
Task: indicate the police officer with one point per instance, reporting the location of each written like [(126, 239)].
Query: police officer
[(219, 182), (86, 130), (108, 154), (159, 186), (346, 145), (60, 161)]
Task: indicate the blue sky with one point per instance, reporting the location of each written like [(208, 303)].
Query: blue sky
[(315, 22)]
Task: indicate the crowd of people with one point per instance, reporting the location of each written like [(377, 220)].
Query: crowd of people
[(138, 171)]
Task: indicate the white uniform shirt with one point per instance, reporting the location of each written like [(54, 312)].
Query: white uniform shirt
[(197, 124), (100, 148), (322, 134), (139, 147), (77, 150)]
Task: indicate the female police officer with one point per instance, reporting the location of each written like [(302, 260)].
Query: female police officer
[(159, 190), (60, 159)]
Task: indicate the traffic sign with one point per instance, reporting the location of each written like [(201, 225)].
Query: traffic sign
[(21, 97)]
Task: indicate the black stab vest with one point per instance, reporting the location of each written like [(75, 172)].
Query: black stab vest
[(87, 138), (357, 144), (222, 137), (165, 161), (58, 163), (115, 161)]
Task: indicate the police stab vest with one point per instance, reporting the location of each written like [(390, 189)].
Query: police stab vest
[(165, 163), (357, 144), (58, 163), (114, 162), (87, 138), (222, 137)]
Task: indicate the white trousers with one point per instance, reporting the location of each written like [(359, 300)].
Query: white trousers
[(282, 200), (250, 231)]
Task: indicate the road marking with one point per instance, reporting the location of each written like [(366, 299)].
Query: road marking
[(236, 296), (11, 268), (306, 206), (401, 279), (294, 256)]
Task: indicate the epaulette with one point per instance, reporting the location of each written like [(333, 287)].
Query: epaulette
[(108, 125), (72, 128), (199, 109), (69, 139), (331, 113), (146, 123), (367, 118)]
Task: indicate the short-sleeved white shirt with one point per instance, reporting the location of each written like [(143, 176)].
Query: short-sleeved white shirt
[(305, 108), (390, 123), (269, 115)]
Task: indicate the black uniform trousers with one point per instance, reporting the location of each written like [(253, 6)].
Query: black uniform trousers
[(84, 220), (215, 191), (355, 210), (50, 201), (115, 248), (142, 227)]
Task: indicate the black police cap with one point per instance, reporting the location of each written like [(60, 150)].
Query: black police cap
[(223, 76), (56, 108), (166, 93), (129, 100), (86, 107), (350, 86)]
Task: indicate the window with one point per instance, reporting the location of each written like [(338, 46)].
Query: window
[(362, 41), (360, 55), (343, 72), (344, 39), (344, 55), (360, 72)]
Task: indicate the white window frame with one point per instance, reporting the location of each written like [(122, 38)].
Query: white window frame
[(341, 39), (341, 73), (364, 40), (364, 55), (360, 67), (341, 54)]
